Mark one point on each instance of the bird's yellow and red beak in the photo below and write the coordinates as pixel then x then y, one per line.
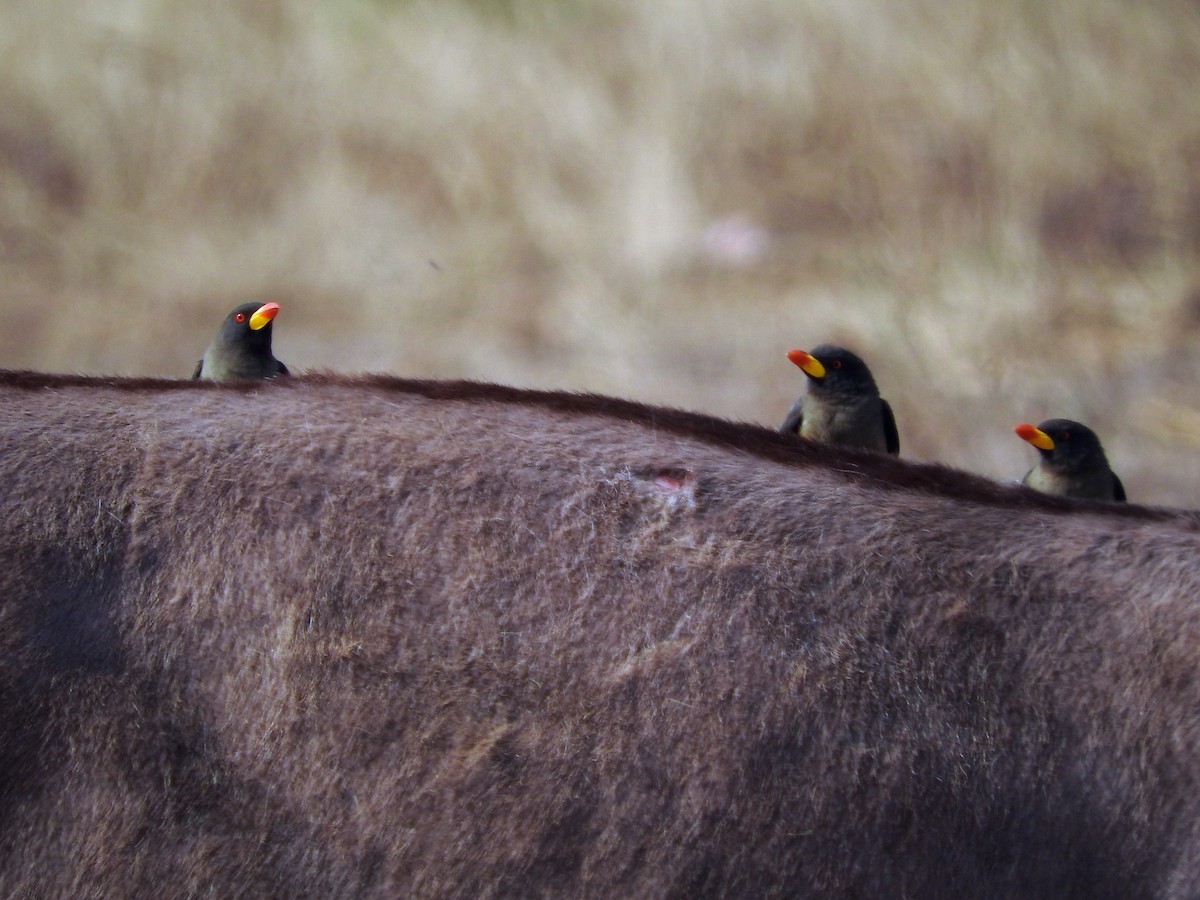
pixel 263 316
pixel 807 362
pixel 1035 436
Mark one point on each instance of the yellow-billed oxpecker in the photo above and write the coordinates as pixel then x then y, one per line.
pixel 1073 462
pixel 842 404
pixel 242 347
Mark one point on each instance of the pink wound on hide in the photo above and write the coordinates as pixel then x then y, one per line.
pixel 669 484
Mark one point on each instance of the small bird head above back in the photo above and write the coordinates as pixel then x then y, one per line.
pixel 249 325
pixel 842 404
pixel 833 370
pixel 1072 461
pixel 1065 444
pixel 242 347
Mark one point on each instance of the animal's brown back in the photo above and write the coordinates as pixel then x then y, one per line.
pixel 369 637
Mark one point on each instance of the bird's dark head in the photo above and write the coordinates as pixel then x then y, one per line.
pixel 249 326
pixel 835 369
pixel 1065 444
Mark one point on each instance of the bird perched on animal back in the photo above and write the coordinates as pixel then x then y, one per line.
pixel 242 347
pixel 1073 462
pixel 842 404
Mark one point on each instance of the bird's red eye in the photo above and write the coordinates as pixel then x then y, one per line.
pixel 836 364
pixel 1064 435
pixel 239 318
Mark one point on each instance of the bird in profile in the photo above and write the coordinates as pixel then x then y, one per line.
pixel 242 347
pixel 1072 461
pixel 842 404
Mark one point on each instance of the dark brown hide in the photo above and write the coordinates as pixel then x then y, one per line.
pixel 330 637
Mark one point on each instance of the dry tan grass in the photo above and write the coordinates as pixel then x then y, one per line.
pixel 997 202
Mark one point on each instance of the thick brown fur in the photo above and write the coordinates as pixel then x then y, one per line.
pixel 368 637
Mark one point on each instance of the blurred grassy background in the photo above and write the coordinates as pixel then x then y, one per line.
pixel 996 202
